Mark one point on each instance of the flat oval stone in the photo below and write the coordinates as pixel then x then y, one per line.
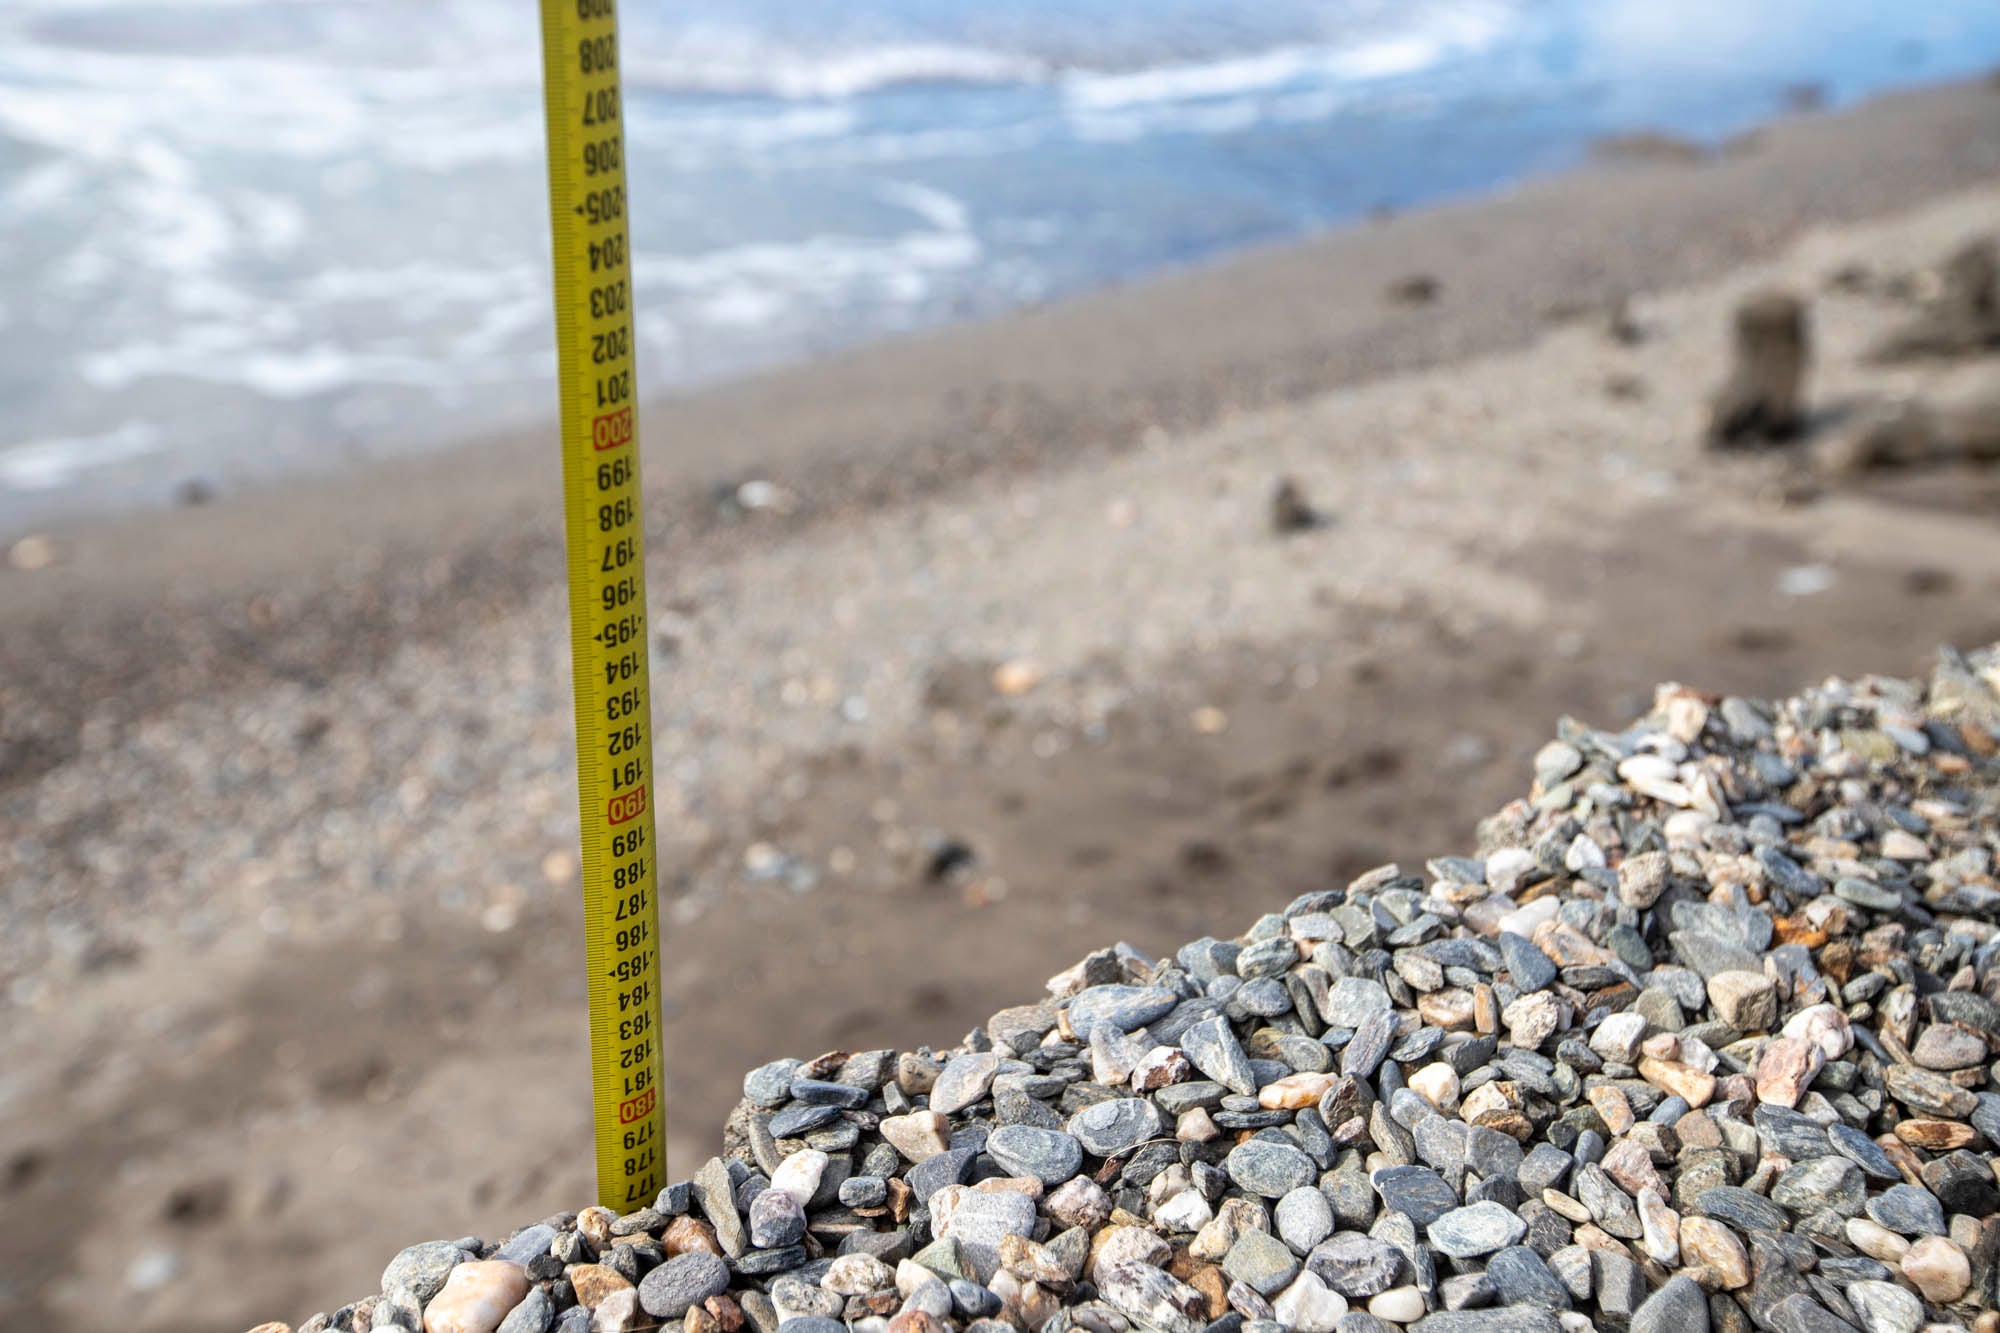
pixel 1116 1126
pixel 1272 1170
pixel 801 1118
pixel 1123 1007
pixel 420 1271
pixel 683 1281
pixel 1740 1208
pixel 1480 1228
pixel 1049 1155
pixel 1417 1192
pixel 476 1296
pixel 964 1080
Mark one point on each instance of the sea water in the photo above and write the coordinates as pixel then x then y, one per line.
pixel 246 240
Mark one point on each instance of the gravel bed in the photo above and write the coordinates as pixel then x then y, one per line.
pixel 1703 1036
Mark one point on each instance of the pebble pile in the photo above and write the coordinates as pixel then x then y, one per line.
pixel 1703 1038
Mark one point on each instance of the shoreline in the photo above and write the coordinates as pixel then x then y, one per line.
pixel 897 418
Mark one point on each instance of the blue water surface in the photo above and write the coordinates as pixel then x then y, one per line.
pixel 249 239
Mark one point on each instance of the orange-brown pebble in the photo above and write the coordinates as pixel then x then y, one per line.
pixel 1293 1092
pixel 593 1282
pixel 689 1233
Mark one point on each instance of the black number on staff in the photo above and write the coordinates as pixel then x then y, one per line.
pixel 597 55
pixel 607 300
pixel 614 515
pixel 603 155
pixel 610 346
pixel 600 107
pixel 605 205
pixel 607 253
pixel 593 9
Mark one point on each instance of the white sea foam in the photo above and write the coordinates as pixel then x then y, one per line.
pixel 47 465
pixel 726 59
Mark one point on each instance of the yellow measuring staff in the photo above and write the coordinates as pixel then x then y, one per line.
pixel 607 593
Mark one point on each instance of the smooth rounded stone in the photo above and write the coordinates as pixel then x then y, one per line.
pixel 964 1080
pixel 1267 958
pixel 1398 1305
pixel 1939 1269
pixel 1530 968
pixel 1304 1218
pixel 1710 1244
pixel 854 1275
pixel 1306 1305
pixel 800 1174
pixel 918 1136
pixel 1823 1182
pixel 1480 1228
pixel 419 1272
pixel 682 1281
pixel 476 1296
pixel 533 1315
pixel 1437 1083
pixel 1885 1307
pixel 1416 1191
pixel 1351 999
pixel 1211 1046
pixel 1876 1241
pixel 812 1324
pixel 864 1192
pixel 1110 1128
pixel 1123 1007
pixel 1272 1170
pixel 1049 1155
pixel 1908 1210
pixel 1261 1261
pixel 1680 1306
pixel 1356 1265
pixel 776 1220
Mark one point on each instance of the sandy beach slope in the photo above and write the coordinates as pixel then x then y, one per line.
pixel 289 955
